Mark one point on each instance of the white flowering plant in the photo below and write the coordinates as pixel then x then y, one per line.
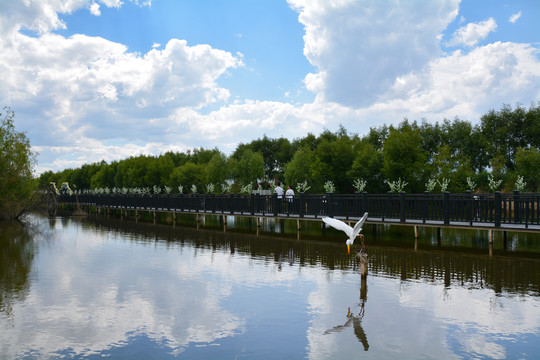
pixel 302 187
pixel 471 184
pixel 520 183
pixel 493 184
pixel 359 184
pixel 397 186
pixel 444 184
pixel 329 187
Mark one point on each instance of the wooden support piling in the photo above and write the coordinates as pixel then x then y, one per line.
pixel 363 264
pixel 490 236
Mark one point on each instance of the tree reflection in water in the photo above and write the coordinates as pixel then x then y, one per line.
pixel 17 253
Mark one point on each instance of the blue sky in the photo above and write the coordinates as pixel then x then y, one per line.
pixel 105 80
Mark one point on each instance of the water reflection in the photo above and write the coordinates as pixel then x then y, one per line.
pixel 120 289
pixel 356 320
pixel 472 268
pixel 17 253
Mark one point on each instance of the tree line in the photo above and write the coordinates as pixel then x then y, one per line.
pixel 498 153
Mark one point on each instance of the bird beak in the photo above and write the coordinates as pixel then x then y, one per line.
pixel 348 249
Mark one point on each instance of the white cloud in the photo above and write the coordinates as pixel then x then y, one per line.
pixel 471 34
pixel 360 47
pixel 88 87
pixel 85 98
pixel 515 17
pixel 94 9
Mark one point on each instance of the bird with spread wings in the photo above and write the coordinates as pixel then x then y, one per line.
pixel 350 231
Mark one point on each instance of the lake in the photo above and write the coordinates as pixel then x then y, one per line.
pixel 88 288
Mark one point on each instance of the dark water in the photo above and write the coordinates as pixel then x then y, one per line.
pixel 97 287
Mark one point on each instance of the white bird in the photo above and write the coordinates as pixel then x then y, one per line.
pixel 351 232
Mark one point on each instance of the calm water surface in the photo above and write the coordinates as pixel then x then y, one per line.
pixel 93 288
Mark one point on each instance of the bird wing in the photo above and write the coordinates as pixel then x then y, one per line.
pixel 358 226
pixel 338 224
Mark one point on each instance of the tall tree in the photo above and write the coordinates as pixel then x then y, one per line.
pixel 298 169
pixel 17 162
pixel 528 166
pixel 404 158
pixel 249 168
pixel 367 165
pixel 217 171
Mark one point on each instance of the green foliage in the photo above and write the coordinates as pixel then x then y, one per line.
pixel 217 171
pixel 16 165
pixel 367 164
pixel 298 170
pixel 528 166
pixel 452 154
pixel 404 158
pixel 249 168
pixel 187 175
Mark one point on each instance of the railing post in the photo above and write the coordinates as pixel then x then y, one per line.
pixel 426 206
pixel 388 205
pixel 364 203
pixel 402 207
pixel 301 204
pixel 469 207
pixel 517 207
pixel 330 201
pixel 275 201
pixel 497 204
pixel 252 204
pixel 446 208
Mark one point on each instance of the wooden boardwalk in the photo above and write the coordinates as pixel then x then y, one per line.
pixel 499 212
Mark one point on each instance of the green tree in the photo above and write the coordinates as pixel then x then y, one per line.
pixel 333 159
pixel 508 129
pixel 298 169
pixel 17 162
pixel 367 165
pixel 187 175
pixel 404 158
pixel 528 166
pixel 217 171
pixel 249 168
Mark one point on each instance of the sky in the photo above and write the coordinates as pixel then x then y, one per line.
pixel 93 80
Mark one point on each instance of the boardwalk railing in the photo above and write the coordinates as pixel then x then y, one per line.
pixel 521 210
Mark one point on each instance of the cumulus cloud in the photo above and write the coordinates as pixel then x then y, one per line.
pixel 94 9
pixel 86 98
pixel 515 17
pixel 471 34
pixel 89 87
pixel 360 47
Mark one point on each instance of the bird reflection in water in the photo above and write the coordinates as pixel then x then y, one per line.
pixel 356 320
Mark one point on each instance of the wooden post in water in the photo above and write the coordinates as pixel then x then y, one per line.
pixel 298 226
pixel 363 263
pixel 490 232
pixel 416 231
